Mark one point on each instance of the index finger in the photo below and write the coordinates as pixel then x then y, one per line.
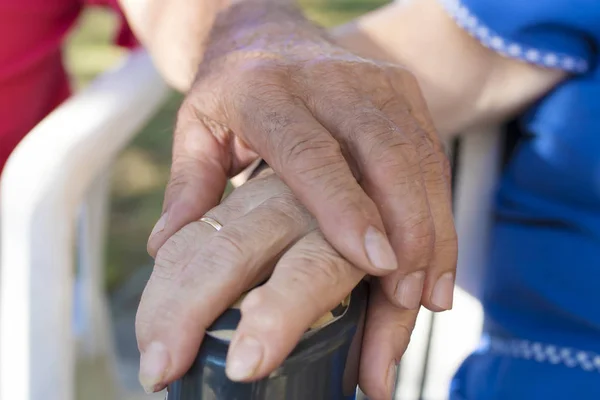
pixel 308 281
pixel 200 167
pixel 310 161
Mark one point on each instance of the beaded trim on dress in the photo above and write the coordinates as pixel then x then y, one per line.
pixel 492 40
pixel 541 353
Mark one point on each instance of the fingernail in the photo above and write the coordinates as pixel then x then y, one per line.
pixel 392 376
pixel 154 363
pixel 160 225
pixel 410 289
pixel 443 291
pixel 244 358
pixel 379 250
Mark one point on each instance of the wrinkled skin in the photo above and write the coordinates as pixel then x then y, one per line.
pixel 352 140
pixel 199 272
pixel 359 153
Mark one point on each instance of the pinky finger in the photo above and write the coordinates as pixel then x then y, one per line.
pixel 386 336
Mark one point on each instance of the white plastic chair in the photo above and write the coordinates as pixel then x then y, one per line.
pixel 57 177
pixel 59 169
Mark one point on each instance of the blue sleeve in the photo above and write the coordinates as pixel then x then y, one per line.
pixel 563 34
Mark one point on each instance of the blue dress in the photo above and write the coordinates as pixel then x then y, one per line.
pixel 541 294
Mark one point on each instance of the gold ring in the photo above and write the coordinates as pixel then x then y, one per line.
pixel 212 222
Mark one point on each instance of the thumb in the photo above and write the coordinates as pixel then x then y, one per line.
pixel 197 181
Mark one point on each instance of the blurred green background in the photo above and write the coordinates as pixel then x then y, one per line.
pixel 141 172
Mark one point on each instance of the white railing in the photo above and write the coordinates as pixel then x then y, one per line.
pixel 60 166
pixel 440 342
pixel 53 195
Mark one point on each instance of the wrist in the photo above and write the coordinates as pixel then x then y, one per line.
pixel 269 26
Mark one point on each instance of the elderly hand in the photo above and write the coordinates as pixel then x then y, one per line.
pixel 200 272
pixel 351 137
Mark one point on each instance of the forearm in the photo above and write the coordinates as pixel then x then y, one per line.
pixel 174 32
pixel 463 82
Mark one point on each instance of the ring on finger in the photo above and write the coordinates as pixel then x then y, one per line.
pixel 212 222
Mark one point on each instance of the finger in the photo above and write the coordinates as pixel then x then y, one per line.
pixel 309 160
pixel 389 165
pixel 309 281
pixel 435 169
pixel 202 162
pixel 199 272
pixel 386 337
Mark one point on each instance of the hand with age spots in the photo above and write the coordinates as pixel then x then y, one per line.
pixel 350 137
pixel 200 272
pixel 352 140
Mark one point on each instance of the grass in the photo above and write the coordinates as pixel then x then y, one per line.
pixel 141 172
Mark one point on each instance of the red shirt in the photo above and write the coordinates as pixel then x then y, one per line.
pixel 33 80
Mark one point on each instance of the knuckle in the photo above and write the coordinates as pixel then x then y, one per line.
pixel 341 71
pixel 435 166
pixel 350 202
pixel 430 162
pixel 326 67
pixel 316 160
pixel 404 331
pixel 319 263
pixel 255 104
pixel 389 148
pixel 375 125
pixel 220 258
pixel 436 177
pixel 417 240
pixel 231 242
pixel 286 203
pixel 276 120
pixel 419 229
pixel 393 325
pixel 263 81
pixel 157 309
pixel 184 171
pixel 252 194
pixel 410 130
pixel 447 249
pixel 283 194
pixel 225 249
pixel 259 308
pixel 177 179
pixel 176 253
pixel 312 146
pixel 236 204
pixel 166 265
pixel 399 166
pixel 258 94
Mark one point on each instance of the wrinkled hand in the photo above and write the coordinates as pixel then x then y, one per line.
pixel 199 272
pixel 352 139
